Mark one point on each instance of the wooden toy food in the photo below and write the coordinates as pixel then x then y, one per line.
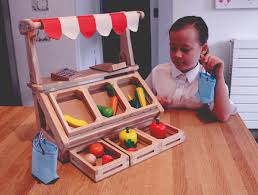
pixel 128 137
pixel 158 129
pixel 91 158
pixel 139 94
pixel 97 149
pixel 105 111
pixel 106 159
pixel 74 122
pixel 134 102
pixel 114 100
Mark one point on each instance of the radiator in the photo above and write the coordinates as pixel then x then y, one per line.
pixel 244 80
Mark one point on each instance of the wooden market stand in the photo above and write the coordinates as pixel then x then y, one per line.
pixel 80 96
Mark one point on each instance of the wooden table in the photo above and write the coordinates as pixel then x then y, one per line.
pixel 216 158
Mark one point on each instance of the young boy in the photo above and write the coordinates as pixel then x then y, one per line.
pixel 176 84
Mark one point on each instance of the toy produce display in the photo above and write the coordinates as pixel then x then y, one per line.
pixel 114 100
pixel 74 122
pixel 83 95
pixel 158 129
pixel 128 138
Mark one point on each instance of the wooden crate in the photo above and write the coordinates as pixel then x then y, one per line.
pixel 173 137
pixel 99 171
pixel 146 147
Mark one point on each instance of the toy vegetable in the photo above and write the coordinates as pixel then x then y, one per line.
pixel 96 149
pixel 133 102
pixel 105 111
pixel 128 137
pixel 114 100
pixel 74 122
pixel 139 94
pixel 158 129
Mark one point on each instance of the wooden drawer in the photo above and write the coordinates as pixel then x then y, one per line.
pixel 99 171
pixel 146 147
pixel 174 135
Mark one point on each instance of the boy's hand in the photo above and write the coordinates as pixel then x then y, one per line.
pixel 213 65
pixel 163 101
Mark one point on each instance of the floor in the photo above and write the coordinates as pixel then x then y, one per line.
pixel 255 134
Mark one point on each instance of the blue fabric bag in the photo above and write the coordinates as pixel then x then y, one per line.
pixel 206 86
pixel 44 159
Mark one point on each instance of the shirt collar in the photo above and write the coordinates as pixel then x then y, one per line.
pixel 190 75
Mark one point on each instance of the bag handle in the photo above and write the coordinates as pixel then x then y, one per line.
pixel 40 137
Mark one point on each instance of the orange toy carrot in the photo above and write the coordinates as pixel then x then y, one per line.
pixel 114 100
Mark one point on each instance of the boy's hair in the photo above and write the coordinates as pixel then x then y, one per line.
pixel 195 21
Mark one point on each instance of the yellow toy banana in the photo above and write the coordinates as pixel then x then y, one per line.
pixel 74 122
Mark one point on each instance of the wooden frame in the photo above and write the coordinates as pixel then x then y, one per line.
pixel 80 96
pixel 99 172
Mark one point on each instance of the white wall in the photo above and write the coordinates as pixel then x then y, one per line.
pixel 223 24
pixel 89 51
pixel 53 55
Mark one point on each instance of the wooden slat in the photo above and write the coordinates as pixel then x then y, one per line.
pixel 244 81
pixel 245 43
pixel 238 90
pixel 245 72
pixel 247 107
pixel 246 63
pixel 244 99
pixel 245 53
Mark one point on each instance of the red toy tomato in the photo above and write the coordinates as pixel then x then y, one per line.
pixel 106 159
pixel 158 129
pixel 97 149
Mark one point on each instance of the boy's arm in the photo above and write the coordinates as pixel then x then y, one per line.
pixel 222 108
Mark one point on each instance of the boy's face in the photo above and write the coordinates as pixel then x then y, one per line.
pixel 185 49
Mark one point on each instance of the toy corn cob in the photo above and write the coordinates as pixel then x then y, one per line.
pixel 133 102
pixel 114 100
pixel 139 94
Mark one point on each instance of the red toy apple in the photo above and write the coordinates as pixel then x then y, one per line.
pixel 106 159
pixel 158 129
pixel 97 149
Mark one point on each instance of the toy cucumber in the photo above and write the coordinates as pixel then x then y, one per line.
pixel 105 111
pixel 74 122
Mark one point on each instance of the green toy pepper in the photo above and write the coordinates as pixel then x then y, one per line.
pixel 105 111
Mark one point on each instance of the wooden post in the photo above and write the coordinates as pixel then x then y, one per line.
pixel 32 58
pixel 126 50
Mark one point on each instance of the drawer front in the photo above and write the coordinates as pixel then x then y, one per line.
pixel 245 53
pixel 249 116
pixel 251 124
pixel 253 108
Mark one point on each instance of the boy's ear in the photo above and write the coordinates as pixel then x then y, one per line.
pixel 205 49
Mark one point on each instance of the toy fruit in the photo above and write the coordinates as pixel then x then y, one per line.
pixel 139 94
pixel 97 149
pixel 158 129
pixel 105 111
pixel 134 102
pixel 114 100
pixel 74 122
pixel 131 149
pixel 91 158
pixel 128 137
pixel 106 159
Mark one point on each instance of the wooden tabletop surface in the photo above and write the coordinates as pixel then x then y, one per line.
pixel 216 158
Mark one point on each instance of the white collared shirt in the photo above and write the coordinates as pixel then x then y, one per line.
pixel 180 88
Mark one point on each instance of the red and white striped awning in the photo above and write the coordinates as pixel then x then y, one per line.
pixel 89 24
